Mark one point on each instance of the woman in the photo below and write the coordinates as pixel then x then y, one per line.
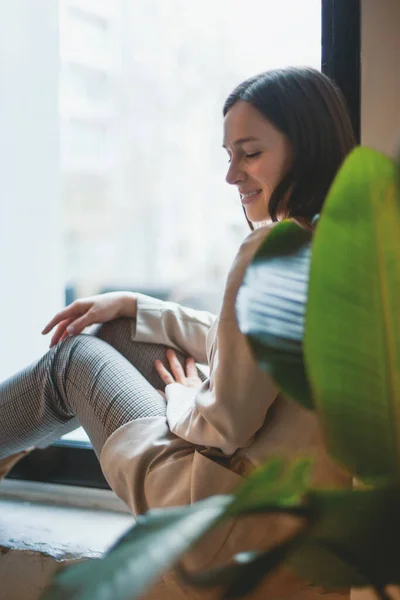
pixel 286 133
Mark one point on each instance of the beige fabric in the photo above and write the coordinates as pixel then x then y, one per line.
pixel 213 437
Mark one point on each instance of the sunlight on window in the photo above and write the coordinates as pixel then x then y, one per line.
pixel 142 86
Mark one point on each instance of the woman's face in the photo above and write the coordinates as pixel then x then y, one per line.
pixel 259 157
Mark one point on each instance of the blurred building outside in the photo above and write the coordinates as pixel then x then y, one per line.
pixel 142 85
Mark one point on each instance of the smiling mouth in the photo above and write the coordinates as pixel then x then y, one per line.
pixel 247 198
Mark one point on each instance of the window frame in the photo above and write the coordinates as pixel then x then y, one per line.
pixel 341 52
pixel 75 463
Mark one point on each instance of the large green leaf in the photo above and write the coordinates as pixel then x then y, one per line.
pixel 352 338
pixel 271 307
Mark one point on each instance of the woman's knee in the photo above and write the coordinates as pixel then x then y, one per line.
pixel 117 332
pixel 79 348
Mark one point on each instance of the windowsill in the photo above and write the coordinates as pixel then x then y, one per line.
pixel 61 495
pixel 62 528
pixel 43 526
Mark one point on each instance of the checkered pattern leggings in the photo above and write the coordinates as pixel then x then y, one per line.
pixel 99 381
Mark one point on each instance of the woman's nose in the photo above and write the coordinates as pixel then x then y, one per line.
pixel 234 175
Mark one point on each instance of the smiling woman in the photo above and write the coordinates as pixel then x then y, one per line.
pixel 204 434
pixel 185 255
pixel 152 417
pixel 286 155
pixel 259 155
pixel 162 243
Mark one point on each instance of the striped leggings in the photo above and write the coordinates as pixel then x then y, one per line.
pixel 99 381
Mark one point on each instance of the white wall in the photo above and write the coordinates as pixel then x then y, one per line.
pixel 380 90
pixel 31 271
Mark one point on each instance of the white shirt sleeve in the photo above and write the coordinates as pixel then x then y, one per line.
pixel 173 325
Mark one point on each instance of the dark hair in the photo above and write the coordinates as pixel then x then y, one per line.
pixel 309 108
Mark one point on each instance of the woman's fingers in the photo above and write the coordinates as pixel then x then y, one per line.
pixel 78 325
pixel 59 317
pixel 60 332
pixel 176 367
pixel 71 326
pixel 190 378
pixel 70 312
pixel 163 372
pixel 191 369
pixel 64 335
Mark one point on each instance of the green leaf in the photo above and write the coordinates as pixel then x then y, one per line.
pixel 271 307
pixel 276 484
pixel 354 539
pixel 352 338
pixel 151 547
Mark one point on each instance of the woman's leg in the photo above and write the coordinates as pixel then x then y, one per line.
pixel 81 381
pixel 118 333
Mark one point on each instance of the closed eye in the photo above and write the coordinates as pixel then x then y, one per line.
pixel 252 155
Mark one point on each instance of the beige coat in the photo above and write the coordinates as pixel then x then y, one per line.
pixel 214 436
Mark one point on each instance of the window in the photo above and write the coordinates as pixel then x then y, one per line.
pixel 87 31
pixel 84 146
pixel 141 95
pixel 82 85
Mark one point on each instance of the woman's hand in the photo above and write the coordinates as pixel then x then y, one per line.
pixel 188 379
pixel 87 311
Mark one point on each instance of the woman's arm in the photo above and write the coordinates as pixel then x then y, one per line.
pixel 171 324
pixel 232 405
